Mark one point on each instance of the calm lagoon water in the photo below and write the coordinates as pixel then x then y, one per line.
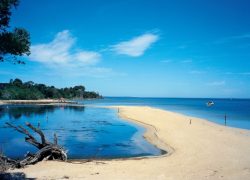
pixel 84 132
pixel 236 110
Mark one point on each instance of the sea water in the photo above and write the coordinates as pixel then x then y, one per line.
pixel 227 112
pixel 84 132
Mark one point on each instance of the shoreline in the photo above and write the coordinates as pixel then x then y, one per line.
pixel 150 135
pixel 201 150
pixel 37 102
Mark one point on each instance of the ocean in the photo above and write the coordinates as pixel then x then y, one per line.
pixel 237 111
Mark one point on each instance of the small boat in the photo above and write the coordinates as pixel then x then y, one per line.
pixel 210 103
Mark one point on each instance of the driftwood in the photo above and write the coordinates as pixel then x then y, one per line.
pixel 47 150
pixel 6 163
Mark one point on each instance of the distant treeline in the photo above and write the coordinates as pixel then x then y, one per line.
pixel 16 89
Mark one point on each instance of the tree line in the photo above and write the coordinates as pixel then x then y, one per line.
pixel 16 89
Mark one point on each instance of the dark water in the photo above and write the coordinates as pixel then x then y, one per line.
pixel 237 111
pixel 84 132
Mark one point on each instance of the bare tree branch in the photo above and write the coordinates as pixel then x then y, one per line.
pixel 38 131
pixel 55 139
pixel 30 139
pixel 47 150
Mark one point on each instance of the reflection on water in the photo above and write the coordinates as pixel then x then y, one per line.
pixel 84 132
pixel 17 111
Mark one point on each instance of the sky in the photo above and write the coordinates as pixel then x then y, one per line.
pixel 138 48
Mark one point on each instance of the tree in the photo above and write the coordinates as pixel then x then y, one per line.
pixel 29 84
pixel 79 90
pixel 12 43
pixel 17 82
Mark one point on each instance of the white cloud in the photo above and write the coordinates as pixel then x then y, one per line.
pixel 136 46
pixel 64 59
pixel 216 83
pixel 60 51
pixel 87 57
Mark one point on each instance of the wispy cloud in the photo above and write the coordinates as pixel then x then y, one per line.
pixel 197 72
pixel 74 71
pixel 216 83
pixel 60 51
pixel 233 38
pixel 245 73
pixel 182 61
pixel 136 46
pixel 239 73
pixel 2 72
pixel 229 92
pixel 182 47
pixel 167 61
pixel 187 61
pixel 66 59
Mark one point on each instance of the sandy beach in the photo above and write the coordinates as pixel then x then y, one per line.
pixel 200 150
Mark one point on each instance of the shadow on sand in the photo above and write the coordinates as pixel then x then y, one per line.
pixel 14 176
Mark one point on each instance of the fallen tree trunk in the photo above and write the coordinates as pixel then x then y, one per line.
pixel 50 152
pixel 47 150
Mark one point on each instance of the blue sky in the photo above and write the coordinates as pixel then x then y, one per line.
pixel 143 48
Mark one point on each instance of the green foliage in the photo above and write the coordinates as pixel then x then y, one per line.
pixel 16 89
pixel 5 12
pixel 12 43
